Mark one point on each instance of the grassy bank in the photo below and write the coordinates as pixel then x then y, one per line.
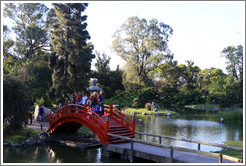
pixel 18 136
pixel 144 110
pixel 231 116
pixel 233 153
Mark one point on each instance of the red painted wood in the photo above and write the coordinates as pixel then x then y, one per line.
pixel 117 122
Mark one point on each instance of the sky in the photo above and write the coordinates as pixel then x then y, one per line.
pixel 201 29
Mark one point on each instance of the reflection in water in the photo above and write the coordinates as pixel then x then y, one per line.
pixel 55 153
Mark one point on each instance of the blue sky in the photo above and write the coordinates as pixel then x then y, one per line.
pixel 202 29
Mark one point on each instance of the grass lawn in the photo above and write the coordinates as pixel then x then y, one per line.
pixel 230 152
pixel 84 130
pixel 18 136
pixel 144 110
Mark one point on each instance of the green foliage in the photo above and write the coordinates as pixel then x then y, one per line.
pixel 136 103
pixel 233 153
pixel 231 116
pixel 109 80
pixel 39 101
pixel 28 26
pixel 147 95
pixel 72 54
pixel 186 96
pixel 142 45
pixel 18 136
pixel 16 102
pixel 234 56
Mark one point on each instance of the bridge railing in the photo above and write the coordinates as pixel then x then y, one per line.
pixel 122 118
pixel 220 156
pixel 75 110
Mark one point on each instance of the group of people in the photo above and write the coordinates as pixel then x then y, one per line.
pixel 96 101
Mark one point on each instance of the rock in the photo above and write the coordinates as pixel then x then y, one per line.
pixel 44 133
pixel 38 142
pixel 15 144
pixel 148 106
pixel 144 113
pixel 153 105
pixel 159 114
pixel 169 114
pixel 31 141
pixel 43 138
pixel 140 121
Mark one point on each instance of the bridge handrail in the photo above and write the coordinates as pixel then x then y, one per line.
pixel 192 141
pixel 176 148
pixel 124 119
pixel 70 107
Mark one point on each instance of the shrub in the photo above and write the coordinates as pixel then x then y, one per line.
pixel 147 95
pixel 136 103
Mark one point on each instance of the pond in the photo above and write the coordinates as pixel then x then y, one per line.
pixel 194 125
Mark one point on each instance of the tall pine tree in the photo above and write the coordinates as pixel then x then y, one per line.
pixel 72 54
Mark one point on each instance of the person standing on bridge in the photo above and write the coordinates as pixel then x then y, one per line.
pixel 72 98
pixel 101 103
pixel 94 103
pixel 78 97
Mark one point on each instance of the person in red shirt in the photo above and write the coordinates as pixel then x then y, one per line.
pixel 78 97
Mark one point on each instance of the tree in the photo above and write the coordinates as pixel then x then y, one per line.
pixel 103 69
pixel 170 73
pixel 205 78
pixel 7 42
pixel 72 55
pixel 16 101
pixel 191 75
pixel 29 27
pixel 234 56
pixel 109 80
pixel 143 46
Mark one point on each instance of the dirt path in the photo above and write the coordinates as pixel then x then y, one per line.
pixel 36 126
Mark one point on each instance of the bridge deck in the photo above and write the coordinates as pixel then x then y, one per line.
pixel 157 154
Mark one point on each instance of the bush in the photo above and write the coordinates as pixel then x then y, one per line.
pixel 148 106
pixel 16 102
pixel 136 103
pixel 147 95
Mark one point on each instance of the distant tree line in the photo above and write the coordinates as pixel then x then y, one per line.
pixel 47 56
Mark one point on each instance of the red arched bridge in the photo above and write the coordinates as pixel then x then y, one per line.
pixel 71 117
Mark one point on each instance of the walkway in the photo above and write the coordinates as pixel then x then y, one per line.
pixel 36 126
pixel 162 155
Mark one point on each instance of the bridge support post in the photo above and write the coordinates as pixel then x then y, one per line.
pixel 242 156
pixel 220 158
pixel 134 123
pixel 199 146
pixel 171 154
pixel 132 152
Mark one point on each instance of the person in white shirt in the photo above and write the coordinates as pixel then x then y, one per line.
pixel 84 99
